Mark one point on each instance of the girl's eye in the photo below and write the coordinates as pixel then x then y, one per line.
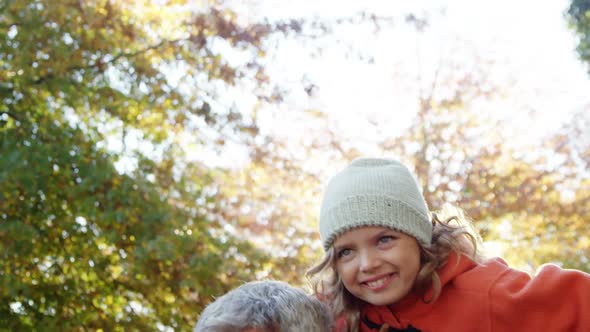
pixel 344 252
pixel 386 239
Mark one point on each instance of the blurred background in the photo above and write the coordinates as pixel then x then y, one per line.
pixel 155 154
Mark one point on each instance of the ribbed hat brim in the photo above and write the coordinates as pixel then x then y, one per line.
pixel 373 210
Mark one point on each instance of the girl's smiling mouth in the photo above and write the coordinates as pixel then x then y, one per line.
pixel 378 283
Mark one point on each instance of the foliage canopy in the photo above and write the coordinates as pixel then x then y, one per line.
pixel 85 246
pixel 578 15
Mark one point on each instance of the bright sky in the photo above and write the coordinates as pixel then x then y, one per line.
pixel 528 42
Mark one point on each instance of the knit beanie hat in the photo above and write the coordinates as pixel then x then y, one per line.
pixel 374 192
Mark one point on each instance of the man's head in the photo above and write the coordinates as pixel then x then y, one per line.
pixel 265 306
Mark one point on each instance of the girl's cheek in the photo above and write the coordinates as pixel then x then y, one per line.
pixel 344 264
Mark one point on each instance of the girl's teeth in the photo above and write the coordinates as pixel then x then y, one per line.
pixel 377 283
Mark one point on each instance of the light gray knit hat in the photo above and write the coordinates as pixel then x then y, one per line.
pixel 374 192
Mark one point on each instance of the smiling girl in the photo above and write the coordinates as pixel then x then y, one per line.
pixel 391 265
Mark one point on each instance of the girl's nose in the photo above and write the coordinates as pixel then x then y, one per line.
pixel 369 261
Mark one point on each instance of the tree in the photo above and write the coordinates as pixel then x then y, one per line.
pixel 86 247
pixel 84 244
pixel 578 16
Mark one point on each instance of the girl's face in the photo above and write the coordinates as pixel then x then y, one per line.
pixel 376 264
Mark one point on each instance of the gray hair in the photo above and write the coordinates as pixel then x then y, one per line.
pixel 272 305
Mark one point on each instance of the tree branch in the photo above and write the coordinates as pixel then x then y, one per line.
pixel 116 58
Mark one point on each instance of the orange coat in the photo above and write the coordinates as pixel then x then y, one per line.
pixel 491 297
